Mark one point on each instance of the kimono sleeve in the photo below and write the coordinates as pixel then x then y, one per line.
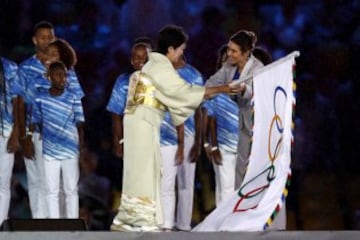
pixel 180 97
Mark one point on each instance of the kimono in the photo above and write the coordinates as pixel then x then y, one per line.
pixel 155 89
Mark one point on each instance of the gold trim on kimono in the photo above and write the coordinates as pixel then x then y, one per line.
pixel 142 92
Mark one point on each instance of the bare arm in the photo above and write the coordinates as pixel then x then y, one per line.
pixel 205 133
pixel 215 152
pixel 28 144
pixel 118 135
pixel 13 143
pixel 179 156
pixel 80 129
pixel 20 115
pixel 82 148
pixel 226 88
pixel 196 148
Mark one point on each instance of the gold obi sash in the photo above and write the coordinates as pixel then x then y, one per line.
pixel 142 92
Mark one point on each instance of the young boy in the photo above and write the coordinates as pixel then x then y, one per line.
pixel 59 113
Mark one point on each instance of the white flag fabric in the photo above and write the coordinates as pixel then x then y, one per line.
pixel 255 204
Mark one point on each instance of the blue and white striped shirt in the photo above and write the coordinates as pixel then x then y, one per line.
pixel 11 86
pixel 29 69
pixel 31 74
pixel 58 116
pixel 117 102
pixel 168 134
pixel 226 112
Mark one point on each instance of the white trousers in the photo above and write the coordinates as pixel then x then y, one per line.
pixel 167 190
pixel 35 180
pixel 225 175
pixel 67 171
pixel 6 167
pixel 185 176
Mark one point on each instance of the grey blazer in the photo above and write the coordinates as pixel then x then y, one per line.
pixel 225 75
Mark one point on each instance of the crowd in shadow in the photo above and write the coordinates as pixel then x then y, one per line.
pixel 327 34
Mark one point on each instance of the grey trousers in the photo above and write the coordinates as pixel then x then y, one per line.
pixel 243 152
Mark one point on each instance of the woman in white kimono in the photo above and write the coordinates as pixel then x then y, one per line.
pixel 155 89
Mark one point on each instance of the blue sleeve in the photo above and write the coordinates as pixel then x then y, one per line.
pixel 78 111
pixel 11 74
pixel 198 79
pixel 36 116
pixel 74 84
pixel 21 83
pixel 117 102
pixel 209 106
pixel 15 87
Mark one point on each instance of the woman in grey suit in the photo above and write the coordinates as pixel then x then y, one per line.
pixel 240 64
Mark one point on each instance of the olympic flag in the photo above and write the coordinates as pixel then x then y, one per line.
pixel 256 203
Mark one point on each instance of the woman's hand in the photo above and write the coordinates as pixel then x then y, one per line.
pixel 229 88
pixel 236 88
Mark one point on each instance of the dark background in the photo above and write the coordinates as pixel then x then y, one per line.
pixel 324 192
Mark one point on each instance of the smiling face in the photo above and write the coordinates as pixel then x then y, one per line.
pixel 138 56
pixel 236 56
pixel 175 53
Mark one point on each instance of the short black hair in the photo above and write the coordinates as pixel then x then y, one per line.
pixel 221 52
pixel 171 36
pixel 56 65
pixel 41 25
pixel 263 55
pixel 145 40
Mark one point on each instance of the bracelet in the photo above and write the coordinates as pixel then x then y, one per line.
pixel 214 148
pixel 121 141
pixel 206 144
pixel 27 135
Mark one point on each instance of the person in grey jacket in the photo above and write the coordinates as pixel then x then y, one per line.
pixel 240 64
